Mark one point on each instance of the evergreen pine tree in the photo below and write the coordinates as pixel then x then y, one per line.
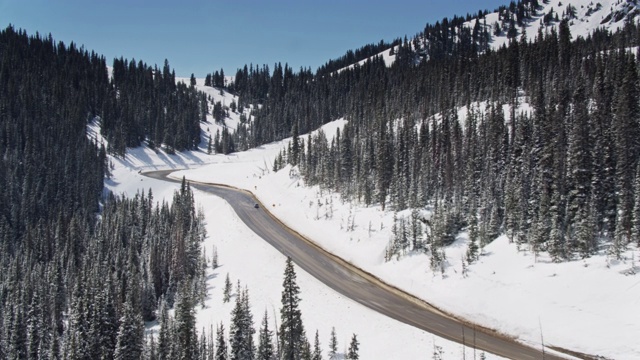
pixel 150 350
pixel 472 249
pixel 17 336
pixel 306 350
pixel 203 350
pixel 265 341
pixel 541 227
pixel 579 160
pixel 241 330
pixel 556 247
pixel 164 336
pixel 291 334
pixel 185 337
pixel 317 353
pixel 104 326
pixel 352 354
pixel 248 325
pixel 130 340
pixel 211 341
pixel 346 154
pixel 214 258
pixel 295 145
pixel 585 230
pixel 333 344
pixel 619 242
pixel 227 289
pixel 34 327
pixel 416 230
pixel 626 129
pixel 221 345
pixel 383 164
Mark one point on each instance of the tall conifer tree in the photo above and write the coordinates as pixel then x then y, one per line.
pixel 291 334
pixel 265 341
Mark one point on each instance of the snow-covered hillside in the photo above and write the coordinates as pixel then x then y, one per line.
pixel 216 95
pixel 258 266
pixel 583 16
pixel 586 305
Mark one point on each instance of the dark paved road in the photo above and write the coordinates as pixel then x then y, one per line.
pixel 358 285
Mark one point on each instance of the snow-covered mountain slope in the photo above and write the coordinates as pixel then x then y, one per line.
pixel 388 56
pixel 214 95
pixel 583 16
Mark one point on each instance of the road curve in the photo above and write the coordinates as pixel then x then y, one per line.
pixel 359 285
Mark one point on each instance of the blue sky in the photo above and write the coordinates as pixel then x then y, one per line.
pixel 206 35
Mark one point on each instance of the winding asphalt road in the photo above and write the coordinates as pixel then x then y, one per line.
pixel 360 286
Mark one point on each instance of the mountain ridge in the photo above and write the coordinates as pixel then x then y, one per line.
pixel 492 30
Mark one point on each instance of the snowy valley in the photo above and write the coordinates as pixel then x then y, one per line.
pixel 509 289
pixel 487 167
